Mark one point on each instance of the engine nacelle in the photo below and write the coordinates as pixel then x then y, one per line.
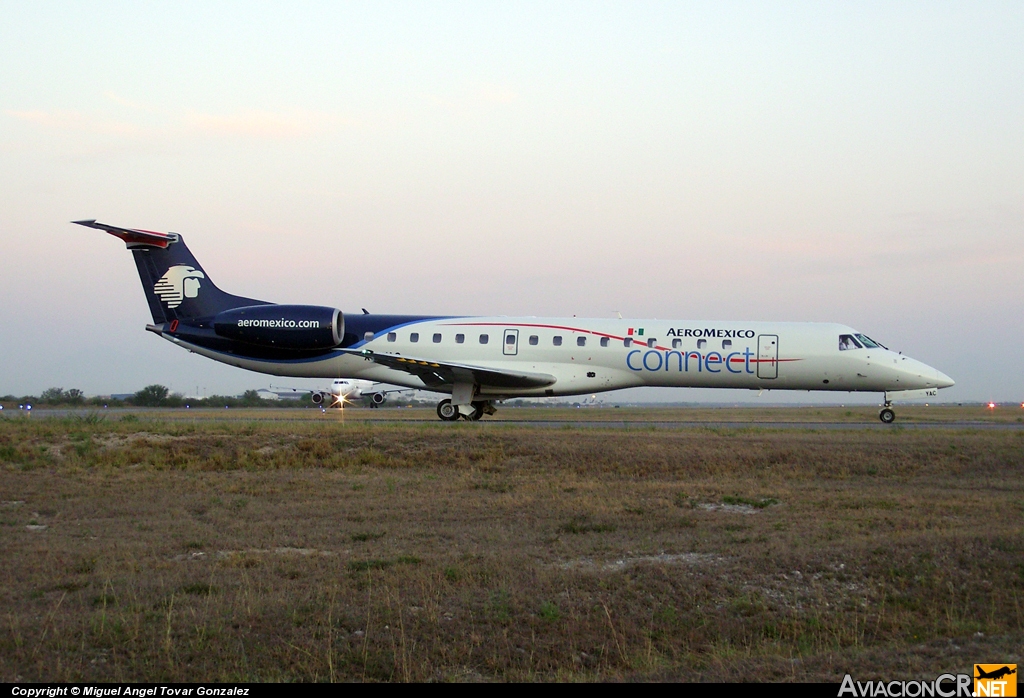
pixel 283 326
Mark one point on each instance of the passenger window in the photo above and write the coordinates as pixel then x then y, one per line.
pixel 557 341
pixel 676 343
pixel 847 342
pixel 726 343
pixel 368 336
pixel 627 342
pixel 604 341
pixel 701 343
pixel 437 338
pixel 392 336
pixel 414 337
pixel 484 339
pixel 652 342
pixel 460 338
pixel 533 340
pixel 581 341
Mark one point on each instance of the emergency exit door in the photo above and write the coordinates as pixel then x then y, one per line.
pixel 768 356
pixel 510 345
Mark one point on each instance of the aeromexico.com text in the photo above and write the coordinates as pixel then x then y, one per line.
pixel 280 324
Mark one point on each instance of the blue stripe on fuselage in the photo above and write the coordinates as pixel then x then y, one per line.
pixel 356 326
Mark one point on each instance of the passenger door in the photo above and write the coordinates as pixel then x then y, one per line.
pixel 768 356
pixel 510 343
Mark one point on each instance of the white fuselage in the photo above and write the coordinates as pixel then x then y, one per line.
pixel 594 355
pixel 350 389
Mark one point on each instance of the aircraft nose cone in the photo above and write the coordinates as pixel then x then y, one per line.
pixel 944 381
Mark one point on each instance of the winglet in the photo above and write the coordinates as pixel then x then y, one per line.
pixel 132 236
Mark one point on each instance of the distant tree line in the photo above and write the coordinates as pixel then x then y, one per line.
pixel 151 396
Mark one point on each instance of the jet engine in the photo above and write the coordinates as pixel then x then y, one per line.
pixel 283 326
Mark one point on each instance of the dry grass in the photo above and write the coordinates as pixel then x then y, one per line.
pixel 168 549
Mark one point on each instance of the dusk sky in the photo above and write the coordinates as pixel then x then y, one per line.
pixel 859 163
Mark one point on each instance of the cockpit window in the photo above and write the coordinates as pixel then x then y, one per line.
pixel 847 342
pixel 868 342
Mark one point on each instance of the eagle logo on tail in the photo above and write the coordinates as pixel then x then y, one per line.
pixel 180 282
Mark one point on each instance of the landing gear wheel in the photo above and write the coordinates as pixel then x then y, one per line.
pixel 478 411
pixel 887 415
pixel 447 411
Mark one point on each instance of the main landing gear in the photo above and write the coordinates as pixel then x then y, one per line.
pixel 450 413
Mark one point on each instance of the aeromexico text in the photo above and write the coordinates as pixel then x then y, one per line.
pixel 711 334
pixel 280 324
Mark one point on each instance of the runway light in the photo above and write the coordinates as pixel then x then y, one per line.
pixel 991 405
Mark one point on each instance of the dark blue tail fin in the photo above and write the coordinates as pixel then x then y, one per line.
pixel 176 286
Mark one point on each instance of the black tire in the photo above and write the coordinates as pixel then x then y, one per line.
pixel 478 412
pixel 887 416
pixel 447 411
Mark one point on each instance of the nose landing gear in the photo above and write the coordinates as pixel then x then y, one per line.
pixel 886 414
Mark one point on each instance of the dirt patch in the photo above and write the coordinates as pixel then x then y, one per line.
pixel 222 554
pixel 745 509
pixel 621 564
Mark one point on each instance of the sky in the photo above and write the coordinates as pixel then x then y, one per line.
pixel 860 163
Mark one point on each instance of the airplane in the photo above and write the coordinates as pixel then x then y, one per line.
pixel 995 673
pixel 345 391
pixel 482 360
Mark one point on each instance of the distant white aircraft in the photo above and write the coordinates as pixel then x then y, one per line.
pixel 343 391
pixel 480 360
pixel 346 390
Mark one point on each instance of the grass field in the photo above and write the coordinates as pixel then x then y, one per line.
pixel 182 547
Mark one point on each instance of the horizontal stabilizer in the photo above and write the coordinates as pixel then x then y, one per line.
pixel 132 236
pixel 443 373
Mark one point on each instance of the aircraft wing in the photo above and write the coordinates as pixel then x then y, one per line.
pixel 444 373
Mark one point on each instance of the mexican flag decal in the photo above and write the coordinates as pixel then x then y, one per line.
pixel 639 332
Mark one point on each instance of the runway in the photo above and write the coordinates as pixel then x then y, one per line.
pixel 804 426
pixel 535 418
